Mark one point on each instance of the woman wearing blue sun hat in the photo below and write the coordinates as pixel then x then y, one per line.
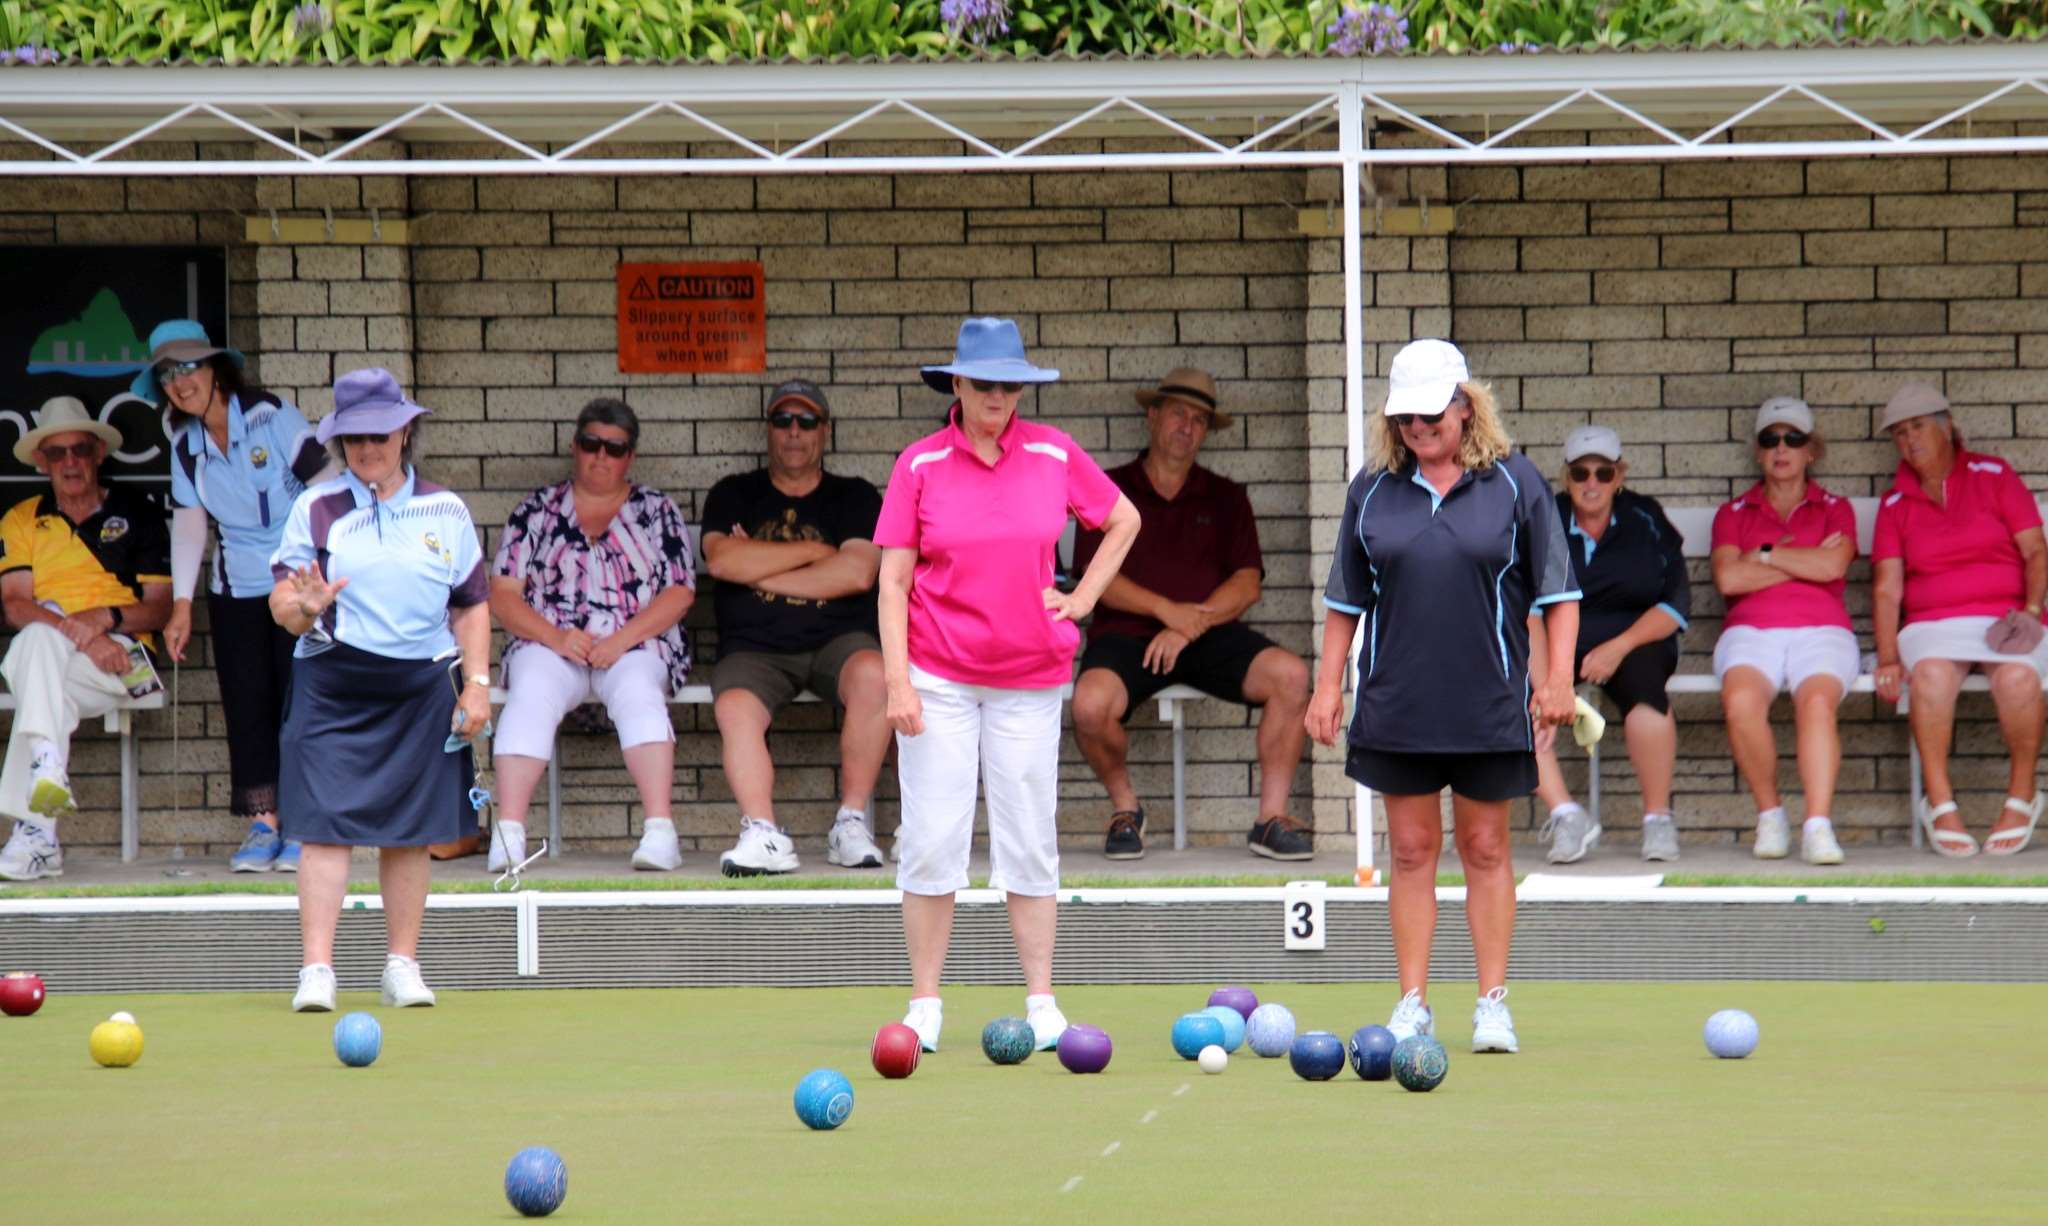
pixel 240 457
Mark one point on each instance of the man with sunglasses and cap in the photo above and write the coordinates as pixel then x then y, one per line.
pixel 793 549
pixel 1170 617
pixel 85 575
pixel 591 581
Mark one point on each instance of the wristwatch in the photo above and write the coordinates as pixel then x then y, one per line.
pixel 114 619
pixel 1764 554
pixel 479 679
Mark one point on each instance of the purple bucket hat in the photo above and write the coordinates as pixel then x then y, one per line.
pixel 368 402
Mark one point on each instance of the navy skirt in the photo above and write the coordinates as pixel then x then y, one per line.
pixel 364 761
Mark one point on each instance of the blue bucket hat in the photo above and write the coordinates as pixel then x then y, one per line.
pixel 991 350
pixel 367 402
pixel 177 340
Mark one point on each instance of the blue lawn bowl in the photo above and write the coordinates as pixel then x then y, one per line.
pixel 1731 1034
pixel 1317 1055
pixel 1420 1063
pixel 536 1181
pixel 1270 1030
pixel 1194 1031
pixel 357 1040
pixel 1372 1053
pixel 1233 1025
pixel 824 1098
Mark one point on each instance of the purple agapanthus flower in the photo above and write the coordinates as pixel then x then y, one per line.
pixel 1373 30
pixel 312 19
pixel 976 21
pixel 30 54
pixel 1518 48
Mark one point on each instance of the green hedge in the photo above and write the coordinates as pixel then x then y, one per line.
pixel 556 31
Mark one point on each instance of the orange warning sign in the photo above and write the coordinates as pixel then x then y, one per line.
pixel 692 319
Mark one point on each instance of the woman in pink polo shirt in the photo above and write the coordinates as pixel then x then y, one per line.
pixel 1780 553
pixel 976 645
pixel 1959 549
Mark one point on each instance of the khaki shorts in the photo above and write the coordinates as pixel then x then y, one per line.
pixel 777 677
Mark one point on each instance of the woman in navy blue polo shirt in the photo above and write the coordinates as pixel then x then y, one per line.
pixel 240 456
pixel 1449 540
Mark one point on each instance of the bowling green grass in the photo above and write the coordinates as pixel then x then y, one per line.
pixel 1864 1103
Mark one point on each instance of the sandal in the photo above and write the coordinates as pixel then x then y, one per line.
pixel 2013 840
pixel 1955 844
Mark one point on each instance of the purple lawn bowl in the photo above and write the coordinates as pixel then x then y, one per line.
pixel 1084 1049
pixel 1241 999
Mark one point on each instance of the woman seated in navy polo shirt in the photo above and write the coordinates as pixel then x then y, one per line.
pixel 1449 540
pixel 1630 563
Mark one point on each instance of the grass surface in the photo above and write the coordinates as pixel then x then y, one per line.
pixel 1865 1103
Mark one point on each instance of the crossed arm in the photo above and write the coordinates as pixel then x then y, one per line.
pixel 1738 573
pixel 804 570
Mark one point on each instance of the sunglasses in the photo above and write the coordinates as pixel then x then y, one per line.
pixel 1404 421
pixel 55 453
pixel 591 444
pixel 1583 473
pixel 365 440
pixel 1769 440
pixel 170 372
pixel 983 385
pixel 782 419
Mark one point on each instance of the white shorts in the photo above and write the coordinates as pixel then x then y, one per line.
pixel 1007 740
pixel 1788 655
pixel 542 687
pixel 1962 639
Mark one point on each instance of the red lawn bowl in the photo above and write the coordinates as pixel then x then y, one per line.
pixel 895 1051
pixel 20 994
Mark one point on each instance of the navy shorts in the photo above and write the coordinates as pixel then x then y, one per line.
pixel 1509 775
pixel 1215 664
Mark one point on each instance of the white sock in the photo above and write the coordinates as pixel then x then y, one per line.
pixel 932 1003
pixel 1659 813
pixel 1034 1003
pixel 1777 811
pixel 1567 807
pixel 1816 825
pixel 851 815
pixel 648 823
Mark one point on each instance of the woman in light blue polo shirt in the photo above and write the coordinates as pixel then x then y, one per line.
pixel 240 456
pixel 381 576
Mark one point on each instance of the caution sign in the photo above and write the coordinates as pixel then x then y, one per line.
pixel 692 319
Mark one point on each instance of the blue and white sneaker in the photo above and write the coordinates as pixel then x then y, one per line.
pixel 287 857
pixel 32 852
pixel 1411 1017
pixel 258 852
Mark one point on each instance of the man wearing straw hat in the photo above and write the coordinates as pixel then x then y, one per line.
pixel 85 573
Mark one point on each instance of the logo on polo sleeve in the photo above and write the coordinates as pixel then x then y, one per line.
pixel 113 530
pixel 259 456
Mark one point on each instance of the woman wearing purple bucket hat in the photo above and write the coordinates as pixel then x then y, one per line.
pixel 240 456
pixel 976 643
pixel 381 576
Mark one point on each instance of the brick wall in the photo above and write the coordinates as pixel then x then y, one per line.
pixel 1666 301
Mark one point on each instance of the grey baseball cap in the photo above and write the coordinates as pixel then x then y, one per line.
pixel 800 389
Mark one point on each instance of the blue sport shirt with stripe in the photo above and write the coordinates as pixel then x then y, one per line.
pixel 1443 587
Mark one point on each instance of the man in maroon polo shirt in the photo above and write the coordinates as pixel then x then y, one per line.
pixel 1170 618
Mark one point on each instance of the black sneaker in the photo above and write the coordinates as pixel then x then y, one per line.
pixel 1126 838
pixel 1282 838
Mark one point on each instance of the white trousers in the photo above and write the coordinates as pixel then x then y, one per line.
pixel 542 687
pixel 1008 740
pixel 55 685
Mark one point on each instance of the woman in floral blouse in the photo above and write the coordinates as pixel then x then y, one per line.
pixel 592 578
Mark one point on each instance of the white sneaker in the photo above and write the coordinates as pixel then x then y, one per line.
pixel 1660 837
pixel 1411 1017
pixel 658 851
pixel 1493 1027
pixel 851 846
pixel 925 1017
pixel 403 987
pixel 762 848
pixel 316 990
pixel 1817 844
pixel 508 846
pixel 1047 1025
pixel 1773 835
pixel 1572 833
pixel 31 853
pixel 49 787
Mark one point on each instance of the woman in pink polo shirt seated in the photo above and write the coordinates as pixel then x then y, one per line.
pixel 1959 548
pixel 1780 553
pixel 976 644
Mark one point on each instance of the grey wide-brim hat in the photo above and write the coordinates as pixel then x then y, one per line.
pixel 368 402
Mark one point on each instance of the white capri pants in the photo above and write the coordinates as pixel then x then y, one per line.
pixel 542 687
pixel 1789 656
pixel 1008 740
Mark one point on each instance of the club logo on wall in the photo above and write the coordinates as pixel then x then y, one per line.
pixel 82 333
